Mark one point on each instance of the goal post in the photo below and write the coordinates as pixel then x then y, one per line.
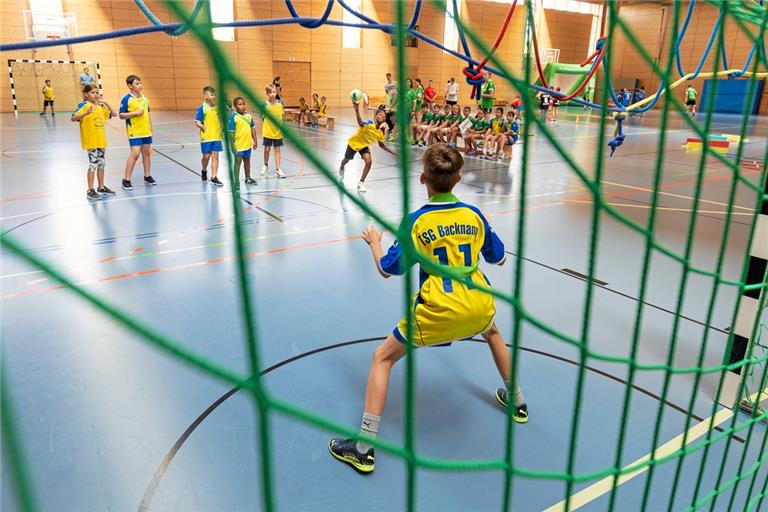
pixel 27 77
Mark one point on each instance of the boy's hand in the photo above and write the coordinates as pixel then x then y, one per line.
pixel 254 144
pixel 372 235
pixel 202 127
pixel 356 105
pixel 138 112
pixel 90 110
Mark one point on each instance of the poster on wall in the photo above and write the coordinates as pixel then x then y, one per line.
pixel 410 41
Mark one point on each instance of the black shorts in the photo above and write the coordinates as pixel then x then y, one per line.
pixel 390 120
pixel 689 102
pixel 47 102
pixel 451 103
pixel 350 153
pixel 271 142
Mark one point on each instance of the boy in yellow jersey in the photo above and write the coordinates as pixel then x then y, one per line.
pixel 92 115
pixel 271 135
pixel 370 131
pixel 48 98
pixel 207 121
pixel 314 110
pixel 134 109
pixel 242 131
pixel 454 234
pixel 322 111
pixel 494 135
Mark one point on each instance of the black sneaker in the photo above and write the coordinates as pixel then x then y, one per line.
pixel 204 175
pixel 106 190
pixel 149 180
pixel 250 181
pixel 93 195
pixel 127 185
pixel 520 415
pixel 215 181
pixel 345 450
pixel 53 113
pixel 42 113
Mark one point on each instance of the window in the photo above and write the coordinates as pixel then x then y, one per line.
pixel 223 11
pixel 451 31
pixel 572 6
pixel 45 6
pixel 350 36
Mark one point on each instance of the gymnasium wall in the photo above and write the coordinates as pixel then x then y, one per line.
pixel 647 22
pixel 175 69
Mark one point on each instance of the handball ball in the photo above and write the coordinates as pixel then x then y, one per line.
pixel 356 95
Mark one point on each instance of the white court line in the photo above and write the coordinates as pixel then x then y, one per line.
pixel 605 485
pixel 648 207
pixel 78 150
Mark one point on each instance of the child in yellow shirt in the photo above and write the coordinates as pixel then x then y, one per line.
pixel 48 98
pixel 92 115
pixel 272 136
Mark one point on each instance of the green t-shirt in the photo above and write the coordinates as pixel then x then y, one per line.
pixel 690 93
pixel 428 117
pixel 419 97
pixel 479 124
pixel 487 88
pixel 440 118
pixel 410 96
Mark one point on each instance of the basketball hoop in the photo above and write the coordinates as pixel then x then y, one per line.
pixel 41 26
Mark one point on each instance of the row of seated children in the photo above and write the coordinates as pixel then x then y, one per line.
pixel 494 132
pixel 310 114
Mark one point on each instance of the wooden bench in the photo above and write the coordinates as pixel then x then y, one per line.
pixel 292 114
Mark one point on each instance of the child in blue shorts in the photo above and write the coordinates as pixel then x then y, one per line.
pixel 207 121
pixel 455 234
pixel 243 137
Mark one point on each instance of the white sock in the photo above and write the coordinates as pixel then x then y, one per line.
pixel 519 398
pixel 369 426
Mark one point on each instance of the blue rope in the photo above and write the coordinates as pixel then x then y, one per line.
pixel 310 24
pixel 175 32
pixel 127 32
pixel 680 37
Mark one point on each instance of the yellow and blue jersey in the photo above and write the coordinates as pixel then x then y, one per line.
pixel 368 134
pixel 497 125
pixel 455 234
pixel 241 125
pixel 323 110
pixel 48 93
pixel 93 134
pixel 269 130
pixel 209 116
pixel 139 126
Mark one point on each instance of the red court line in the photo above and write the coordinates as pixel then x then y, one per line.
pixel 172 268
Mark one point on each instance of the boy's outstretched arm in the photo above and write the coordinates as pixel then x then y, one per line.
pixel 372 237
pixel 357 113
pixel 388 149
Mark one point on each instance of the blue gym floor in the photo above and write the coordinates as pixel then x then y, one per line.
pixel 99 409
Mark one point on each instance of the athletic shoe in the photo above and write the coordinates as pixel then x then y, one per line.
pixel 520 415
pixel 127 185
pixel 341 173
pixel 345 450
pixel 361 187
pixel 149 180
pixel 42 113
pixel 264 170
pixel 279 173
pixel 391 138
pixel 471 153
pixel 204 175
pixel 106 191
pixel 250 181
pixel 216 182
pixel 92 195
pixel 53 113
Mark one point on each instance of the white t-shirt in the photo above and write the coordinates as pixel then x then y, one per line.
pixel 452 92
